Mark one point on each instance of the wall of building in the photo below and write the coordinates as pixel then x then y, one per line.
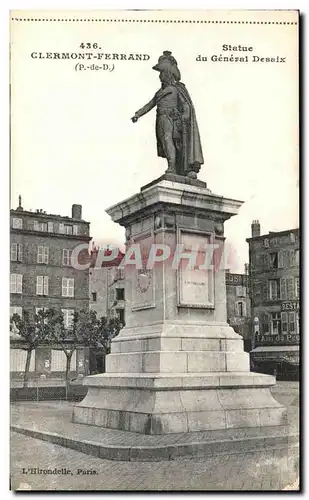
pixel 29 231
pixel 238 306
pixel 274 284
pixel 107 283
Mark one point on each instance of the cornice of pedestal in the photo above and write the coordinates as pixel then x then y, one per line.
pixel 174 194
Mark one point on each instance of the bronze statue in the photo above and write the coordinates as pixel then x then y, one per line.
pixel 178 138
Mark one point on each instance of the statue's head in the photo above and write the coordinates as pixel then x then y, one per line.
pixel 168 63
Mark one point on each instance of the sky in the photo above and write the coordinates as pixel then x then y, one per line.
pixel 73 140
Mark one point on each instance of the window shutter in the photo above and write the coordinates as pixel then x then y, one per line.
pixel 290 281
pixel 112 296
pixel 244 308
pixel 13 280
pixel 284 322
pixel 14 251
pixel 39 285
pixel 46 254
pixel 297 288
pixel 265 291
pixel 61 227
pixel 297 322
pixel 40 255
pixel 292 258
pixel 292 322
pixel 280 259
pixel 283 289
pixel 20 253
pixel 236 309
pixel 19 283
pixel 46 280
pixel 286 258
pixel 50 226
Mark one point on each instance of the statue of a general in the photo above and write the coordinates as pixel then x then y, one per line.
pixel 178 138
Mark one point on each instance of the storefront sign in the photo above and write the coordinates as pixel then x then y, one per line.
pixel 290 306
pixel 236 279
pixel 286 339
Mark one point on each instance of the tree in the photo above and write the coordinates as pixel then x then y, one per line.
pixel 33 332
pixel 96 333
pixel 64 337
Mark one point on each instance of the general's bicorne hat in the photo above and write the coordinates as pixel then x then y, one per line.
pixel 168 62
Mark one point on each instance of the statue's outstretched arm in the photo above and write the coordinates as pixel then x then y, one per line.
pixel 148 107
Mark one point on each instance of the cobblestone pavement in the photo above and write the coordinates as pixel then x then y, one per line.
pixel 251 471
pixel 267 470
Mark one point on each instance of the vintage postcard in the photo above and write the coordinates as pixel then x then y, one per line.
pixel 154 250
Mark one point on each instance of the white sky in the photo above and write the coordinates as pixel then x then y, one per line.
pixel 73 141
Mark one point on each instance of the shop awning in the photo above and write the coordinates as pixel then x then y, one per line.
pixel 280 354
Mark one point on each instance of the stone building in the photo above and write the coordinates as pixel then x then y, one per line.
pixel 238 306
pixel 275 293
pixel 42 277
pixel 107 287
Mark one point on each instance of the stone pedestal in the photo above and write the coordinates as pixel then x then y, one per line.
pixel 177 366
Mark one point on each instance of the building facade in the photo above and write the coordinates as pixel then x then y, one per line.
pixel 275 295
pixel 42 277
pixel 107 287
pixel 238 306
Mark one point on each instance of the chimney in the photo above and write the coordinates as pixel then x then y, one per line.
pixel 19 203
pixel 76 212
pixel 255 229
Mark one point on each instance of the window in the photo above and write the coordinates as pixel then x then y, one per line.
pixel 275 325
pixel 66 257
pixel 42 255
pixel 38 309
pixel 274 289
pixel 68 316
pixel 296 288
pixel 240 291
pixel 61 227
pixel 17 223
pixel 120 314
pixel 68 229
pixel 240 309
pixel 42 285
pixel 284 259
pixel 16 252
pixel 266 242
pixel 94 296
pixel 50 226
pixel 296 257
pixel 16 310
pixel 40 226
pixel 119 274
pixel 273 260
pixel 16 283
pixel 68 287
pixel 119 293
pixel 75 229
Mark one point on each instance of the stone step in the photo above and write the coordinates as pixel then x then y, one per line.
pixel 194 444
